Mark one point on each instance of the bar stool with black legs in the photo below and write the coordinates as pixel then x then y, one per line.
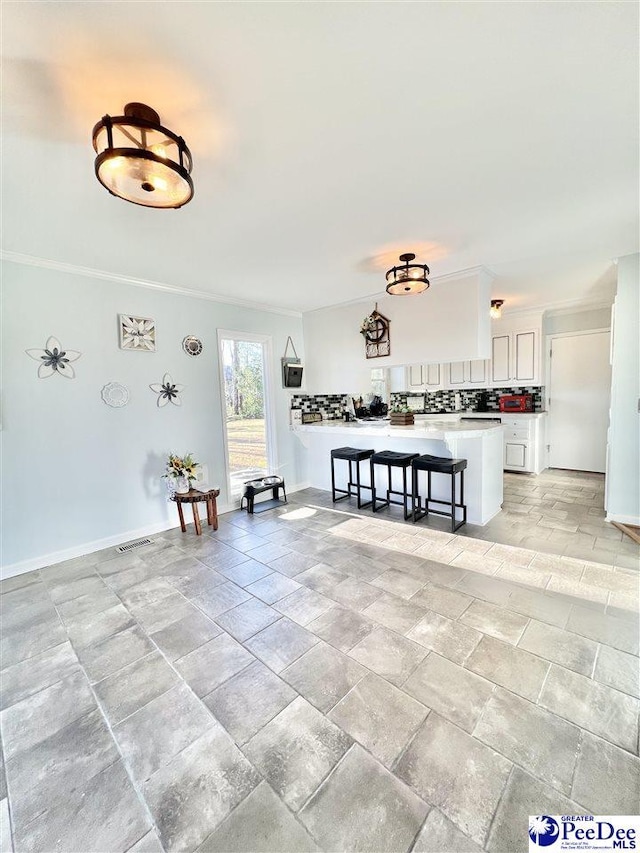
pixel 438 465
pixel 350 455
pixel 391 459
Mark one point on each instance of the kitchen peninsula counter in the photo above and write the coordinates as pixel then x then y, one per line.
pixel 481 444
pixel 435 429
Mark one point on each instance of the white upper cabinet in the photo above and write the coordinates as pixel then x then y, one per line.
pixel 479 373
pixel 423 377
pixel 433 376
pixel 415 377
pixel 524 356
pixel 468 374
pixel 500 358
pixel 457 373
pixel 515 354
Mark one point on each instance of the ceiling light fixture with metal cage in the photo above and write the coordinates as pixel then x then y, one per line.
pixel 141 161
pixel 409 279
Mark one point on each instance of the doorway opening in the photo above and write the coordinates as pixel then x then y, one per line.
pixel 247 410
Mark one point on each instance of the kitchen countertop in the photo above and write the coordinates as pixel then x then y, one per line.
pixel 522 415
pixel 452 416
pixel 427 429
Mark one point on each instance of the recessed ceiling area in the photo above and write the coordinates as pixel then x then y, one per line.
pixel 328 136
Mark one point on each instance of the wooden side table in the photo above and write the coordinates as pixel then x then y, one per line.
pixel 194 497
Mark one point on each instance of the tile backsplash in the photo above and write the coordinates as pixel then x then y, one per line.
pixel 444 401
pixel 330 406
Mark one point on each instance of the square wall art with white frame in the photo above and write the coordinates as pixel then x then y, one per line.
pixel 137 333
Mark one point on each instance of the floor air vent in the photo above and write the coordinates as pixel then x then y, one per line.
pixel 124 548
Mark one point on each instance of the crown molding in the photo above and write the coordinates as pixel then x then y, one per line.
pixel 74 269
pixel 554 309
pixel 575 306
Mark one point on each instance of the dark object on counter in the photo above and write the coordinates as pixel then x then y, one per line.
pixel 483 402
pixel 391 459
pixel 350 455
pixel 378 408
pixel 348 416
pixel 362 412
pixel 438 465
pixel 257 487
pixel 516 403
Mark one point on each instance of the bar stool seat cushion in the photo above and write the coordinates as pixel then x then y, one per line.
pixel 439 464
pixel 393 458
pixel 353 454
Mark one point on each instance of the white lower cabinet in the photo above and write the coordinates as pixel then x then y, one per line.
pixel 516 455
pixel 524 444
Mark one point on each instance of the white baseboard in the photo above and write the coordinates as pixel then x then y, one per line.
pixel 82 550
pixel 298 488
pixel 30 565
pixel 634 521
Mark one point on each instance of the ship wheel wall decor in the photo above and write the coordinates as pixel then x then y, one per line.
pixel 375 330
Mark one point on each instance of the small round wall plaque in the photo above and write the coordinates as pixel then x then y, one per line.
pixel 192 345
pixel 115 395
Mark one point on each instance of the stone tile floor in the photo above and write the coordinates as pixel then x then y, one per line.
pixel 561 512
pixel 317 679
pixel 556 512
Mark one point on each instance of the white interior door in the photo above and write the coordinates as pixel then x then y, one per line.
pixel 579 393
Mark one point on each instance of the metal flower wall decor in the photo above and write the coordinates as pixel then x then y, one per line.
pixel 54 359
pixel 168 391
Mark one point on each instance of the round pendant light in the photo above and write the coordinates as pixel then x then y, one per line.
pixel 408 279
pixel 141 161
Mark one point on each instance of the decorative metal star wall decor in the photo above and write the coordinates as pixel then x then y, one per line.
pixel 168 391
pixel 53 359
pixel 137 333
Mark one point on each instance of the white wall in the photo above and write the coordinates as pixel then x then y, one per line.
pixel 577 321
pixel 76 472
pixel 623 472
pixel 448 322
